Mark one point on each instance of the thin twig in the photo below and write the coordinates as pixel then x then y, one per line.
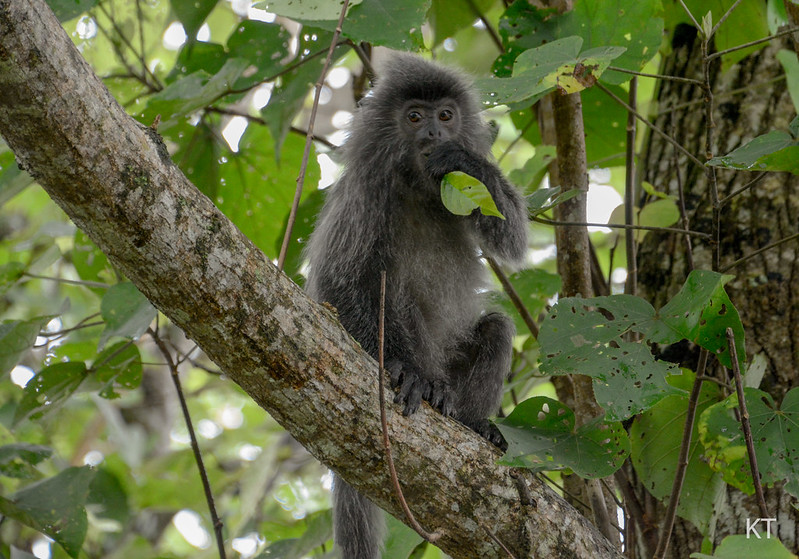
pixel 656 76
pixel 631 284
pixel 682 460
pixel 651 125
pixel 745 426
pixel 381 386
pixel 497 541
pixel 723 18
pixel 753 43
pixel 759 251
pixel 83 283
pixel 690 15
pixel 491 31
pixel 209 497
pixel 546 221
pixel 507 286
pixel 309 139
pixel 516 139
pixel 710 172
pixel 156 84
pixel 689 250
pixel 744 188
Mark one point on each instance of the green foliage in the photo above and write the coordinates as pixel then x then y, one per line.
pixel 561 65
pixel 462 194
pixel 775 434
pixel 542 435
pixel 72 321
pixel 745 547
pixel 656 436
pixel 777 150
pixel 54 506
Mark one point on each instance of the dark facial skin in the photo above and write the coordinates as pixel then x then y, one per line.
pixel 427 125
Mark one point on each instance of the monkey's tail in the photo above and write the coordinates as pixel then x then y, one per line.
pixel 358 525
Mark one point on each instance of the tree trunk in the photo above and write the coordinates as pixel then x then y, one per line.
pixel 765 290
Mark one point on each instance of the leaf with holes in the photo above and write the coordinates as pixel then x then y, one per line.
pixel 542 435
pixel 775 434
pixel 701 312
pixel 585 336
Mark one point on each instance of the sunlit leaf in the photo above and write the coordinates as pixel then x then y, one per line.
pixel 462 194
pixel 777 150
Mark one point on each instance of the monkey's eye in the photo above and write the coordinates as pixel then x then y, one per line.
pixel 445 115
pixel 414 116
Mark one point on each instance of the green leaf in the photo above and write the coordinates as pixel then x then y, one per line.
pixel 775 434
pixel 633 25
pixel 742 546
pixel 447 17
pixel 462 193
pixel 127 313
pixel 535 288
pixel 89 261
pixel 17 337
pixel 701 312
pixel 529 177
pixel 319 530
pixel 388 23
pixel 10 273
pixel 107 498
pixel 190 93
pixel 791 67
pixel 256 191
pixel 558 65
pixel 288 98
pixel 17 459
pixel 400 540
pixel 303 227
pixel 55 507
pixel 585 336
pixel 542 435
pixel 118 366
pixel 192 14
pixel 656 437
pixel 49 389
pixel 65 10
pixel 263 45
pixel 307 9
pixel 774 151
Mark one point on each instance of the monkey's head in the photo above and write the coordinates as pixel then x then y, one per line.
pixel 415 106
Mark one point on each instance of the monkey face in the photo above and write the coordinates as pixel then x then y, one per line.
pixel 425 125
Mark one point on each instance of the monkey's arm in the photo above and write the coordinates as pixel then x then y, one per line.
pixel 505 239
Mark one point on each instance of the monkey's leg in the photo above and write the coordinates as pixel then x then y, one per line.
pixel 358 524
pixel 477 374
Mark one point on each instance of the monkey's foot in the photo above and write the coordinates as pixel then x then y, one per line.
pixel 488 431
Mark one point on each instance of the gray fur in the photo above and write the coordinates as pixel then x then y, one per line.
pixel 385 213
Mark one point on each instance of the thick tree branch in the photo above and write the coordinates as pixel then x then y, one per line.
pixel 115 179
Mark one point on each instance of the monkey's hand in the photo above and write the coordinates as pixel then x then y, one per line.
pixel 451 156
pixel 413 388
